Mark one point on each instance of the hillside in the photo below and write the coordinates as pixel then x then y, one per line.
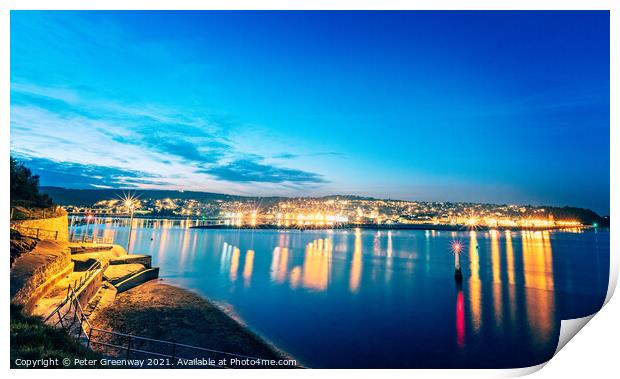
pixel 87 197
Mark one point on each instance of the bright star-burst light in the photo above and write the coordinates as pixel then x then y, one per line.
pixel 457 247
pixel 129 200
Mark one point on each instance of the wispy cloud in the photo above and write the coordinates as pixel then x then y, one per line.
pixel 84 116
pixel 293 156
pixel 249 170
pixel 76 175
pixel 64 127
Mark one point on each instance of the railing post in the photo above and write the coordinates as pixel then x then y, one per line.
pixel 74 312
pixel 60 319
pixel 56 236
pixel 90 332
pixel 128 347
pixel 37 233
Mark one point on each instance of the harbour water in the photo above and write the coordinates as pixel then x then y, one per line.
pixel 386 299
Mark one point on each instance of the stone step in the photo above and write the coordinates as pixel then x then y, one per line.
pixel 81 249
pixel 120 272
pixel 83 262
pixel 137 279
pixel 85 248
pixel 104 298
pixel 144 260
pixel 59 292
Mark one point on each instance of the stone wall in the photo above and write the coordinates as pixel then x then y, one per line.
pixel 34 273
pixel 58 224
pixel 90 288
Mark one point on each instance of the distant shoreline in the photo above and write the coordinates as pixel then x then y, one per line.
pixel 389 227
pixel 422 226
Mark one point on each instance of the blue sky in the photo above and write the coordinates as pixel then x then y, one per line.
pixel 505 107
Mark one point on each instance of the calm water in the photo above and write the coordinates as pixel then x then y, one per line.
pixel 387 298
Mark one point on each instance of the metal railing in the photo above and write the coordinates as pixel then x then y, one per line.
pixel 71 317
pixel 37 233
pixel 89 273
pixel 71 292
pixel 83 237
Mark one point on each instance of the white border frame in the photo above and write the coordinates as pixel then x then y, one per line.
pixel 606 328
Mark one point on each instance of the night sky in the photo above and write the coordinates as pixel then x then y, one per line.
pixel 502 107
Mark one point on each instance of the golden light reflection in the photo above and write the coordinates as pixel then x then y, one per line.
pixel 510 267
pixel 537 260
pixel 356 263
pixel 495 265
pixel 234 264
pixel 510 262
pixel 283 265
pixel 317 263
pixel 247 267
pixel 295 276
pixel 495 258
pixel 474 282
pixel 163 243
pixel 538 275
pixel 548 259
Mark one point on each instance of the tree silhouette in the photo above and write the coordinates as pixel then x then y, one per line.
pixel 25 186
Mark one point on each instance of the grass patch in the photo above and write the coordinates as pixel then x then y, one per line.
pixel 32 339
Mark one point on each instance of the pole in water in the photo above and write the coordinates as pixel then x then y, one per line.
pixel 456 249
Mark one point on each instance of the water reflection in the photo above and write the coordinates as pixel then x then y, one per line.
pixel 356 263
pixel 234 264
pixel 508 302
pixel 279 264
pixel 317 264
pixel 460 318
pixel 225 257
pixel 474 282
pixel 510 268
pixel 497 288
pixel 389 261
pixel 247 268
pixel 538 276
pixel 295 276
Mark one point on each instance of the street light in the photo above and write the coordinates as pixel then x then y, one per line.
pixel 129 203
